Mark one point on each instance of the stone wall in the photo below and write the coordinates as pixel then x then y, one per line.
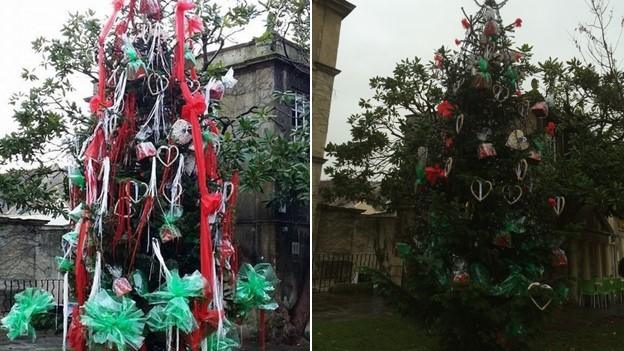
pixel 28 248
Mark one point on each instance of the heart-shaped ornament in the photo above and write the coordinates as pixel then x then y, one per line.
pixel 512 194
pixel 480 188
pixel 176 192
pixel 127 213
pixel 523 108
pixel 501 93
pixel 170 154
pixel 517 140
pixel 521 169
pixel 448 166
pixel 136 190
pixel 537 288
pixel 459 123
pixel 559 205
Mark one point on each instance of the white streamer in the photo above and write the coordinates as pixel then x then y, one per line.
pixel 97 274
pixel 176 184
pixel 65 308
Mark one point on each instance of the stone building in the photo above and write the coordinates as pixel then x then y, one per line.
pixel 327 16
pixel 280 236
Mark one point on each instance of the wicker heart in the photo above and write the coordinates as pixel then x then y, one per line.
pixel 176 196
pixel 559 204
pixel 500 92
pixel 521 169
pixel 534 287
pixel 170 151
pixel 129 210
pixel 512 194
pixel 459 123
pixel 448 166
pixel 136 191
pixel 476 188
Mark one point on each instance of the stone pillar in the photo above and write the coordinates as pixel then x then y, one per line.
pixel 586 261
pixel 327 16
pixel 607 259
pixel 573 264
pixel 597 262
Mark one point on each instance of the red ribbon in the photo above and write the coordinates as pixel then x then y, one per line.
pixel 98 103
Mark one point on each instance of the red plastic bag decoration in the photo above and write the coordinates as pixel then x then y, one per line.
pixel 559 258
pixel 194 25
pixel 150 8
pixel 551 128
pixel 465 23
pixel 439 60
pixel 445 109
pixel 434 173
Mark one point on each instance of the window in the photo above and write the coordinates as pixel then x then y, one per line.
pixel 299 111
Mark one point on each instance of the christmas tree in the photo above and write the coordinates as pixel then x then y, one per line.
pixel 484 253
pixel 152 259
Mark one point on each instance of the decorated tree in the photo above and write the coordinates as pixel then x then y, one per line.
pixel 466 160
pixel 155 172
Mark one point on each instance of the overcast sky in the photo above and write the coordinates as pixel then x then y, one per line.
pixel 378 34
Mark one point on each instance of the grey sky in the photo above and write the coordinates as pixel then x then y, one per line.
pixel 378 34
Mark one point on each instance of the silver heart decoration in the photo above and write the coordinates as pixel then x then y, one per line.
pixel 521 169
pixel 559 205
pixel 459 123
pixel 512 194
pixel 177 195
pixel 523 109
pixel 123 215
pixel 537 285
pixel 136 191
pixel 168 149
pixel 476 188
pixel 448 166
pixel 500 92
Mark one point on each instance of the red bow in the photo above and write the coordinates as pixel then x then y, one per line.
pixel 552 202
pixel 434 173
pixel 118 4
pixel 95 104
pixel 465 23
pixel 195 107
pixel 439 60
pixel 518 23
pixel 194 25
pixel 445 109
pixel 211 202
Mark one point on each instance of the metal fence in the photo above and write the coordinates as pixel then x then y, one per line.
pixel 331 269
pixel 10 287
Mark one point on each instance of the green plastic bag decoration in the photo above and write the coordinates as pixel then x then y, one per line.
pixel 64 264
pixel 114 321
pixel 76 213
pixel 255 288
pixel 483 65
pixel 28 303
pixel 76 178
pixel 168 231
pixel 173 298
pixel 223 343
pixel 136 68
pixel 421 177
pixel 71 237
pixel 189 58
pixel 515 284
pixel 511 74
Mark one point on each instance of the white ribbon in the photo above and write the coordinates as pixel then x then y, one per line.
pixel 97 274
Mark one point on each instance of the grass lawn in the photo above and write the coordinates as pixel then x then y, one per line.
pixel 572 329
